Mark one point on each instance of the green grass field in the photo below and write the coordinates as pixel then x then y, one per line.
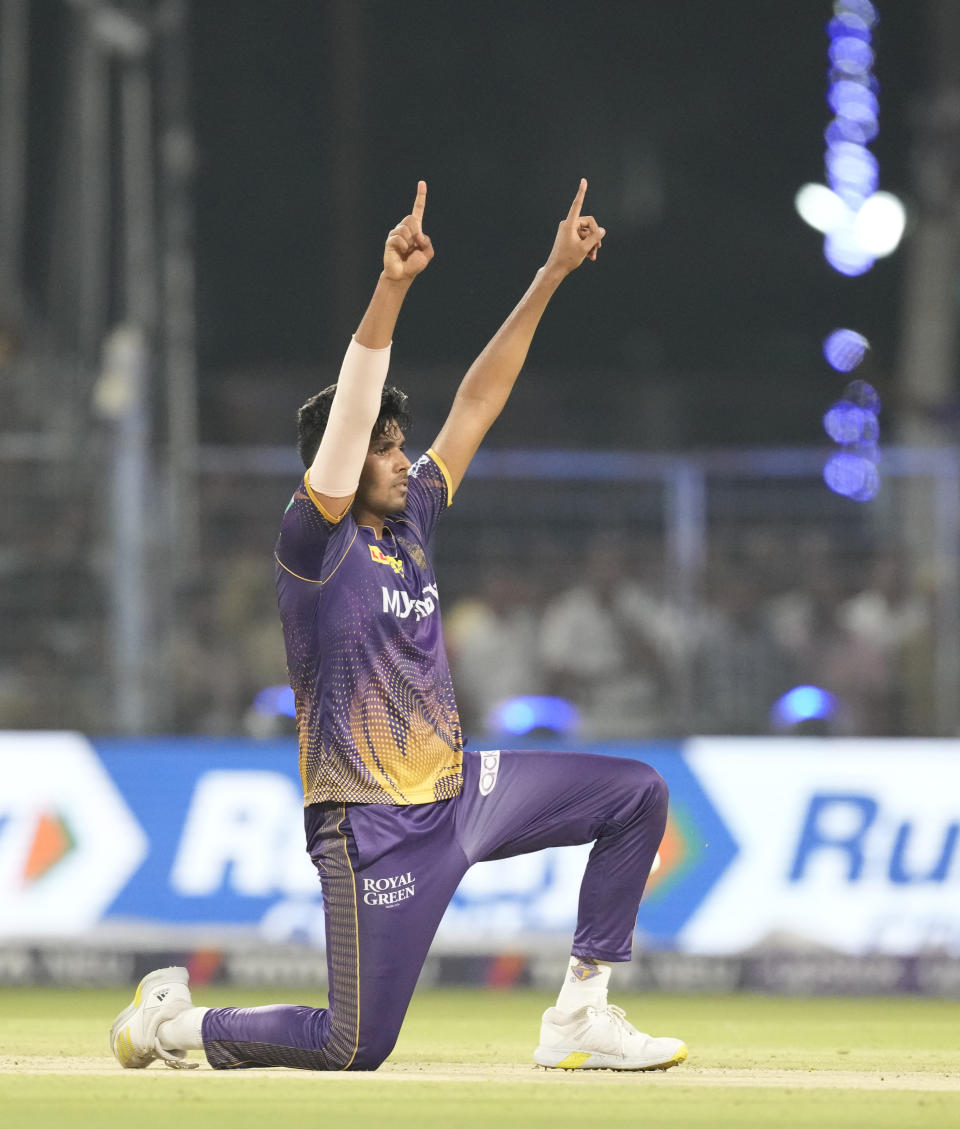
pixel 463 1061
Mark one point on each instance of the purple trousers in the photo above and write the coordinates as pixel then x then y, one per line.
pixel 388 874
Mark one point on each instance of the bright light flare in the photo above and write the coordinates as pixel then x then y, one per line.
pixel 880 223
pixel 844 253
pixel 803 703
pixel 821 207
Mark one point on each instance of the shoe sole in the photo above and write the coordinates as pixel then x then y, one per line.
pixel 585 1060
pixel 121 1041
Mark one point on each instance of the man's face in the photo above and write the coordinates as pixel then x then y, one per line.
pixel 383 480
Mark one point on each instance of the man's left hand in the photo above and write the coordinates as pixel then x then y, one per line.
pixel 579 237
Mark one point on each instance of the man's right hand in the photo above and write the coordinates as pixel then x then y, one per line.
pixel 408 249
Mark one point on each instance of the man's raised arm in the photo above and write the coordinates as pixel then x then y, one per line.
pixel 490 379
pixel 335 472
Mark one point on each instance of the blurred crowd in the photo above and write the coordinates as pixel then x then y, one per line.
pixel 636 663
pixel 603 628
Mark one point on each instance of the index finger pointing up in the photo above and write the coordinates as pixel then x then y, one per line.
pixel 420 202
pixel 577 204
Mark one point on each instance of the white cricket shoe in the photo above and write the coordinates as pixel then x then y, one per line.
pixel 600 1038
pixel 133 1037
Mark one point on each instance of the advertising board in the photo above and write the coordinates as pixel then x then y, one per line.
pixel 848 845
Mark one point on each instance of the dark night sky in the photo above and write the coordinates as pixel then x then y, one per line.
pixel 695 123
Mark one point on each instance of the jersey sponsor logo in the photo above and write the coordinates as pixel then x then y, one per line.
pixel 399 603
pixel 489 770
pixel 419 465
pixel 418 555
pixel 389 891
pixel 380 557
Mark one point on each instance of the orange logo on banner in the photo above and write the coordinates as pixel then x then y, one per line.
pixel 52 842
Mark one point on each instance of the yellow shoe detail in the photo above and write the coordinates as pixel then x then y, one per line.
pixel 574 1060
pixel 678 1057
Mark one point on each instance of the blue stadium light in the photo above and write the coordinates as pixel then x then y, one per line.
pixel 847 423
pixel 852 168
pixel 844 253
pixel 275 701
pixel 869 434
pixel 864 395
pixel 853 475
pixel 851 98
pixel 862 10
pixel 803 703
pixel 535 711
pixel 861 224
pixel 870 486
pixel 844 349
pixel 851 55
pixel 848 26
pixel 844 129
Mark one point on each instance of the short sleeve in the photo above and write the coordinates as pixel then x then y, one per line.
pixel 307 533
pixel 428 493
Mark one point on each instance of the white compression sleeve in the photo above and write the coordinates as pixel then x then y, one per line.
pixel 356 404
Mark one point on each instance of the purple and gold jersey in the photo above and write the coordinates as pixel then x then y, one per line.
pixel 376 714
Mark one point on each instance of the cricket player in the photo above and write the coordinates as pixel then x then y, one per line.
pixel 396 810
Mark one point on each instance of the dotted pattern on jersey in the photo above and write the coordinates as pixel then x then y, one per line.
pixel 376 712
pixel 343 961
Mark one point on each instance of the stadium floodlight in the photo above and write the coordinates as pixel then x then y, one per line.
pixel 846 423
pixel 859 225
pixel 844 349
pixel 844 253
pixel 862 393
pixel 524 714
pixel 871 231
pixel 275 701
pixel 852 475
pixel 803 703
pixel 821 207
pixel 851 55
pixel 880 223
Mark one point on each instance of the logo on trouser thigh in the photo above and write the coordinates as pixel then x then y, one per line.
pixel 389 891
pixel 489 769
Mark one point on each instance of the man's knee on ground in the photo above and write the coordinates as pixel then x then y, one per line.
pixel 373 1053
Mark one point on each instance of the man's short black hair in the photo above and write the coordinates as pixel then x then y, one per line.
pixel 312 418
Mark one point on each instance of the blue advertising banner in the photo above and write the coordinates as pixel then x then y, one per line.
pixel 210 832
pixel 852 845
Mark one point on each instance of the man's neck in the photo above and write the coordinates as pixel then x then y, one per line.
pixel 369 520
